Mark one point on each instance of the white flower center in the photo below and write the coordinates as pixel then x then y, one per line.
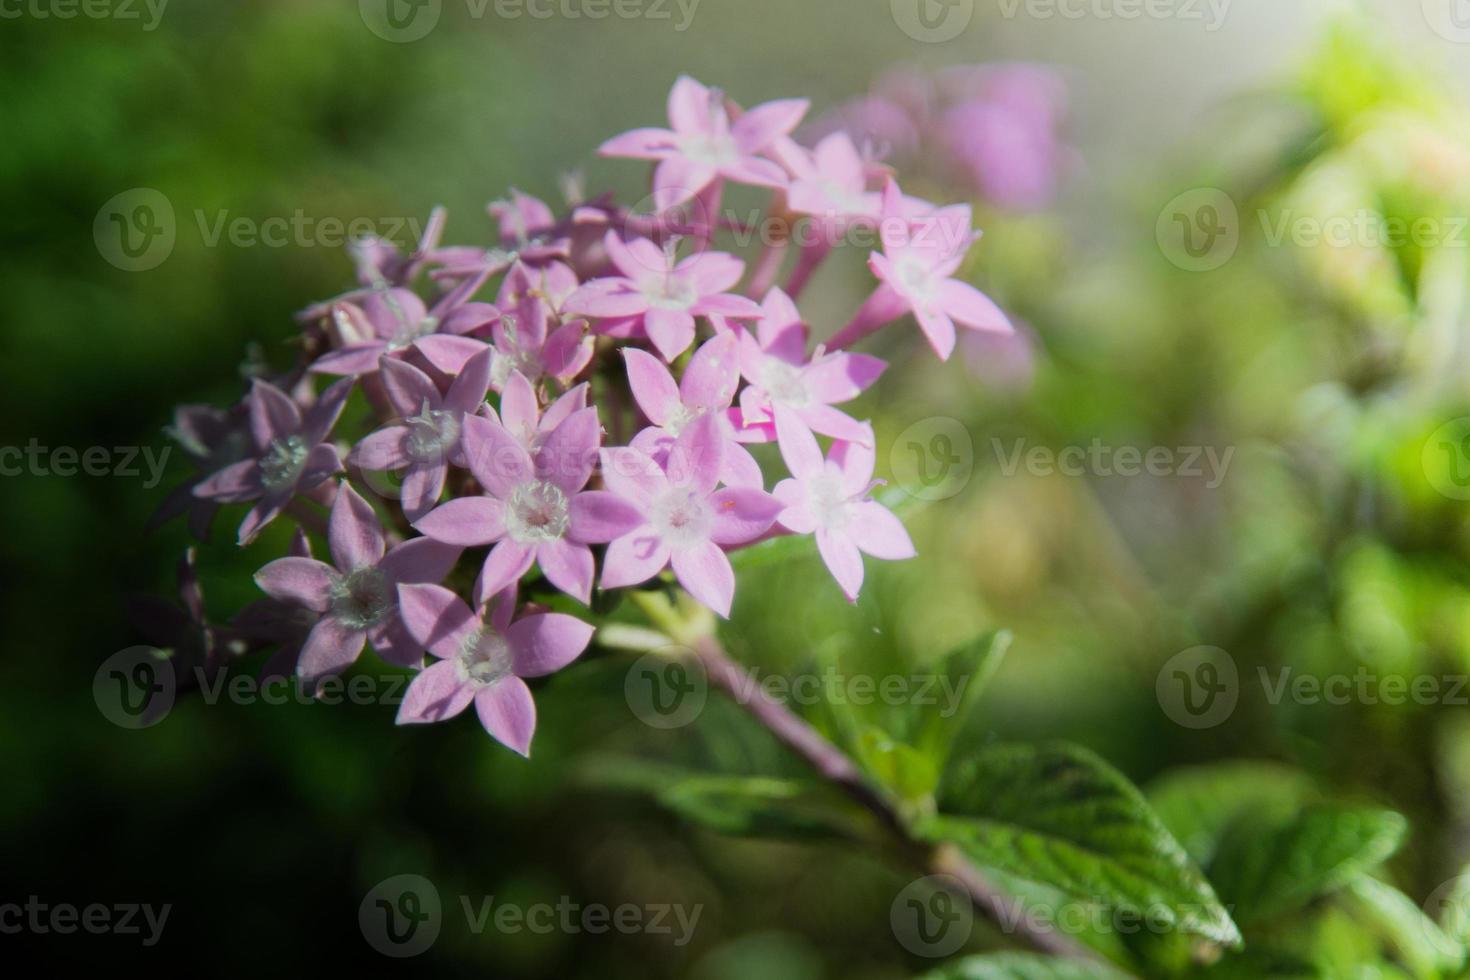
pixel 917 278
pixel 783 382
pixel 362 599
pixel 484 659
pixel 670 292
pixel 409 332
pixel 537 512
pixel 679 417
pixel 682 517
pixel 283 462
pixel 830 504
pixel 709 149
pixel 431 435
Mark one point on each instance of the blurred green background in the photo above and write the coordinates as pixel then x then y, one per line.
pixel 1325 370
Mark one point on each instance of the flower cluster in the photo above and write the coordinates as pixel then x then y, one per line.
pixel 629 372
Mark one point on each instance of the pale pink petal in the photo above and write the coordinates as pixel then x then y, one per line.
pixel 632 475
pixel 330 648
pixel 436 694
pixel 972 308
pixel 843 560
pixel 698 454
pixel 234 484
pixel 465 521
pixel 568 566
pixel 677 179
pixel 841 377
pixel 305 581
pixel 705 573
pixel 606 298
pixel 449 353
pixel 757 128
pixel 712 272
pixel 740 469
pixel 690 106
pixel 545 643
pixel 573 401
pixel 273 415
pixel 507 562
pixel 876 531
pixel 508 713
pixel 829 421
pixel 351 360
pixel 495 457
pixel 423 483
pixel 409 389
pixel 742 514
pixel 753 170
pixel 436 618
pixel 323 414
pixel 672 331
pixel 797 517
pixel 467 393
pixel 569 454
pixel 519 412
pixel 599 516
pixel 568 351
pixel 635 557
pixel 729 305
pixel 382 450
pixel 395 644
pixel 648 143
pixel 711 376
pixel 355 535
pixel 321 463
pixel 798 446
pixel 653 386
pixel 939 330
pixel 419 560
pixel 855 461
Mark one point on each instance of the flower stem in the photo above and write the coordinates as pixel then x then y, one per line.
pixel 833 765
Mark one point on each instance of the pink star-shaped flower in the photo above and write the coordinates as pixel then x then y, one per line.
pixel 686 522
pixel 356 594
pixel 389 321
pixel 830 499
pixel 427 438
pixel 704 145
pixel 533 509
pixel 483 658
pixel 660 294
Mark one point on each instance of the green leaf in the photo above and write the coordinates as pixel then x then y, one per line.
pixel 1058 814
pixel 903 769
pixel 1021 966
pixel 756 806
pixel 968 670
pixel 1419 942
pixel 1266 868
pixel 1199 804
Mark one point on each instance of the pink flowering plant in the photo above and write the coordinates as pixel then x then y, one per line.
pixel 576 438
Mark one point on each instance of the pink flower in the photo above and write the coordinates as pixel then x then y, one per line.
pixel 426 441
pixel 357 598
pixel 484 660
pixel 782 380
pixel 917 267
pixel 662 295
pixel 521 415
pixel 212 438
pixel 830 498
pixel 685 519
pixel 389 321
pixel 292 454
pixel 831 182
pixel 528 231
pixel 704 145
pixel 533 509
pixel 707 388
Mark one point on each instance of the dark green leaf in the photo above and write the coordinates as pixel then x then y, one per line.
pixel 755 806
pixel 1060 815
pixel 1198 804
pixel 1021 966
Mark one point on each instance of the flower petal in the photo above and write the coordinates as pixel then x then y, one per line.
pixel 273 415
pixel 465 521
pixel 545 643
pixel 436 694
pixel 705 573
pixel 843 560
pixel 495 457
pixel 568 566
pixel 600 516
pixel 711 376
pixel 436 618
pixel 330 648
pixel 569 455
pixel 653 386
pixel 742 514
pixel 300 580
pixel 354 533
pixel 876 531
pixel 672 331
pixel 419 560
pixel 507 562
pixel 508 713
pixel 635 557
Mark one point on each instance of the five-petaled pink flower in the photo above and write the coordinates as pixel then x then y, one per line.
pixel 783 381
pixel 426 440
pixel 660 294
pixel 292 454
pixel 389 321
pixel 704 145
pixel 357 598
pixel 685 520
pixel 830 499
pixel 533 509
pixel 707 388
pixel 483 659
pixel 916 267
